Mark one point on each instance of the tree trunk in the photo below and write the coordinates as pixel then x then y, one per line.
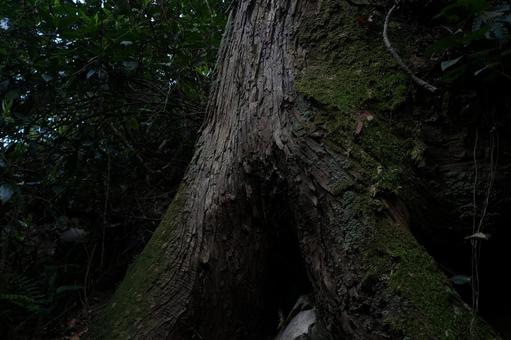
pixel 297 186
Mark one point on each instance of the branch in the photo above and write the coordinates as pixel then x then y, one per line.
pixel 398 59
pixel 356 4
pixel 364 4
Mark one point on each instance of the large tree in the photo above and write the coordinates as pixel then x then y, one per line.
pixel 298 185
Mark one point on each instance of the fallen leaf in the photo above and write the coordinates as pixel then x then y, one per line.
pixel 359 128
pixel 362 116
pixel 71 323
pixel 479 235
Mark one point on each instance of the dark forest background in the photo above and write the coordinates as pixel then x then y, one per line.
pixel 101 102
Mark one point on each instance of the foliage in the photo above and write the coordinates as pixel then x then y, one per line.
pixel 100 104
pixel 478 45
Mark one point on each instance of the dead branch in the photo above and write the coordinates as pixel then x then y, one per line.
pixel 396 56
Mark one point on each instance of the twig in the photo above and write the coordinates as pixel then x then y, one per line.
pixel 105 208
pixel 361 4
pixel 396 56
pixel 474 258
pixel 477 227
pixel 128 144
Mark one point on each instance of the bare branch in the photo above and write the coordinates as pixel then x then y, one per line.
pixel 396 56
pixel 356 4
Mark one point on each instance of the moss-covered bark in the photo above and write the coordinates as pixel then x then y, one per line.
pixel 301 119
pixel 434 309
pixel 132 301
pixel 356 89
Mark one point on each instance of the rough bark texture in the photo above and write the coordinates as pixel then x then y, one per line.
pixel 295 167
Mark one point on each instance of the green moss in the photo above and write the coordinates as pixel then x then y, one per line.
pixel 131 301
pixel 356 81
pixel 343 186
pixel 431 308
pixel 382 157
pixel 350 86
pixel 349 68
pixel 420 301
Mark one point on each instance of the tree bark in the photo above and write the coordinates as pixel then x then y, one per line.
pixel 297 186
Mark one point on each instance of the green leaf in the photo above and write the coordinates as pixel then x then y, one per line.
pixel 130 65
pixel 449 63
pixel 460 279
pixel 132 124
pixel 6 192
pixel 479 236
pixel 91 73
pixel 11 95
pixel 455 73
pixel 65 289
pixel 46 77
